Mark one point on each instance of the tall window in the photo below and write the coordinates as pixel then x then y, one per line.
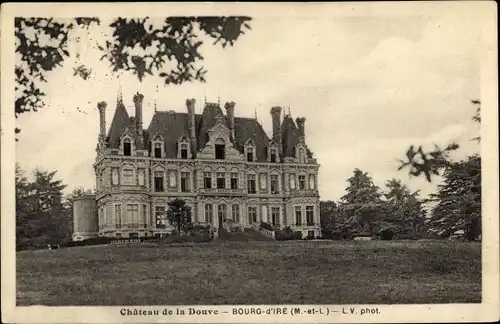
pixel 292 181
pixel 274 184
pixel 275 216
pixel 234 180
pixel 140 176
pixel 145 217
pixel 127 147
pixel 302 155
pixel 158 181
pixel 250 154
pixel 221 180
pixel 209 213
pixel 132 215
pixel 251 184
pixel 185 187
pixel 252 215
pixel 298 215
pixel 220 151
pixel 184 151
pixel 273 155
pixel 312 181
pixel 118 216
pixel 128 177
pixel 302 182
pixel 222 212
pixel 157 150
pixel 114 176
pixel 236 213
pixel 263 181
pixel 160 216
pixel 207 180
pixel 173 178
pixel 310 215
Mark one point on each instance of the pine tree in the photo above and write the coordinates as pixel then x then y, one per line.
pixel 42 218
pixel 361 207
pixel 459 200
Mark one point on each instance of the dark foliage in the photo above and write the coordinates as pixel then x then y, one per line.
pixel 135 46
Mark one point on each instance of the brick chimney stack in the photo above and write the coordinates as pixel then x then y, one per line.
pixel 102 120
pixel 138 99
pixel 192 125
pixel 230 116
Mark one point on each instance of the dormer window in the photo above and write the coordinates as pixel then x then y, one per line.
pixel 184 151
pixel 127 147
pixel 220 149
pixel 250 154
pixel 302 155
pixel 157 150
pixel 272 156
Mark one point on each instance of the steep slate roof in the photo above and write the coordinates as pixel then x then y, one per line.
pixel 120 121
pixel 210 111
pixel 289 136
pixel 172 125
pixel 245 128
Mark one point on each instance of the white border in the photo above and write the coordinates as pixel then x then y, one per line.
pixel 488 310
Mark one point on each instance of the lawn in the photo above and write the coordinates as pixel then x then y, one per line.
pixel 294 272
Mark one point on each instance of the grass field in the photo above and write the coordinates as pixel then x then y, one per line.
pixel 295 272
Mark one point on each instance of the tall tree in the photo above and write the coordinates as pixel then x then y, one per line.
pixel 41 215
pixel 141 46
pixel 407 213
pixel 361 206
pixel 179 215
pixel 327 213
pixel 459 200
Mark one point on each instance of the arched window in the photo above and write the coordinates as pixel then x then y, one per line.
pixel 209 213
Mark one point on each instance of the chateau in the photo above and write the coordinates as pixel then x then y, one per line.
pixel 223 166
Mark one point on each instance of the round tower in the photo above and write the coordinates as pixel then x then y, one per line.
pixel 85 220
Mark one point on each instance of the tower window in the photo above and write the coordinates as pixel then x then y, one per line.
pixel 302 182
pixel 127 148
pixel 220 151
pixel 157 150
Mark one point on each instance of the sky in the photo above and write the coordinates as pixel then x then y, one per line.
pixel 368 87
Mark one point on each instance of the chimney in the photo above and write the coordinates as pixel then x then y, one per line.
pixel 230 116
pixel 276 116
pixel 192 124
pixel 300 123
pixel 102 120
pixel 138 98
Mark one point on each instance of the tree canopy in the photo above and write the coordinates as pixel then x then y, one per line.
pixel 170 50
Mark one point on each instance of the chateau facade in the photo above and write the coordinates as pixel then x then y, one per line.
pixel 224 167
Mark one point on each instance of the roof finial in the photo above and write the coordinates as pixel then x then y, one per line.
pixel 255 113
pixel 218 97
pixel 155 106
